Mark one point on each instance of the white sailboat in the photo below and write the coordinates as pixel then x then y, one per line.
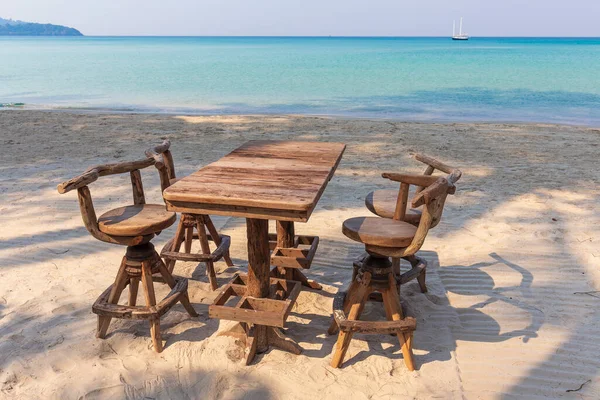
pixel 461 35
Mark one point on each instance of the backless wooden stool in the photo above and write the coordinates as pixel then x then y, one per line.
pixel 383 203
pixel 384 238
pixel 191 226
pixel 132 226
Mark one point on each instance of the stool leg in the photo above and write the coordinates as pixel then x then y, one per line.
pixel 189 235
pixel 217 239
pixel 151 301
pixel 184 298
pixel 210 268
pixel 115 293
pixel 179 237
pixel 415 262
pixel 354 287
pixel 334 328
pixel 396 266
pixel 155 334
pixel 421 279
pixel 393 311
pixel 356 301
pixel 133 290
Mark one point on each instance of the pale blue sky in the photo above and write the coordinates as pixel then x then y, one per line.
pixel 314 17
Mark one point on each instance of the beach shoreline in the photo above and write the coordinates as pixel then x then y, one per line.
pixel 343 116
pixel 509 264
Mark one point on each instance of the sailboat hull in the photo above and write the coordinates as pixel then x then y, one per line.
pixel 460 38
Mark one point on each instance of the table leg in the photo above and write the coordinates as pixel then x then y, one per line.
pixel 285 238
pixel 257 231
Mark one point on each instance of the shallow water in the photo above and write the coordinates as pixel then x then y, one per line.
pixel 428 79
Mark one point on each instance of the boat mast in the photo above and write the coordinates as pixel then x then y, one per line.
pixel 460 29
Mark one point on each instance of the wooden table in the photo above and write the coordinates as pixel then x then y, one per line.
pixel 261 180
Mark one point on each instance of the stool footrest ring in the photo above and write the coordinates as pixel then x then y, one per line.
pixel 103 308
pixel 408 324
pixel 215 256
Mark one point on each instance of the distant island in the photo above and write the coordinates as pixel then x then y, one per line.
pixel 9 27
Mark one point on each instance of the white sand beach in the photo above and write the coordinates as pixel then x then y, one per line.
pixel 514 280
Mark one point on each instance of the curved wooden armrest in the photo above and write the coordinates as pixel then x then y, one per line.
pixel 78 182
pixel 92 173
pixel 432 162
pixel 121 168
pixel 411 179
pixel 433 191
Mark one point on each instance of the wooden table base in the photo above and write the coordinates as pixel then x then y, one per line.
pixel 252 336
pixel 258 338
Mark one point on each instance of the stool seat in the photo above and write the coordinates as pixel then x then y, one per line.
pixel 378 231
pixel 383 203
pixel 141 219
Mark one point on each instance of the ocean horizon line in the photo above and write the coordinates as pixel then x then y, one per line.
pixel 298 37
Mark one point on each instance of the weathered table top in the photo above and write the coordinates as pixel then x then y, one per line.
pixel 280 180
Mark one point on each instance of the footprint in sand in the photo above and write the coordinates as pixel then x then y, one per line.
pixel 68 309
pixel 435 299
pixel 134 364
pixel 56 341
pixel 63 364
pixel 221 385
pixel 8 382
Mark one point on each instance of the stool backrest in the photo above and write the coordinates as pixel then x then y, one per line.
pixel 163 161
pixel 432 198
pixel 432 165
pixel 91 175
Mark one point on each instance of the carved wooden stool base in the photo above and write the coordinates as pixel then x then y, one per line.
pixel 374 275
pixel 418 270
pixel 185 234
pixel 139 264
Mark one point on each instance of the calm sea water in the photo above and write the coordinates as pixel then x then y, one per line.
pixel 428 79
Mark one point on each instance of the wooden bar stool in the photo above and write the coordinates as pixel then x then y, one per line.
pixel 132 226
pixel 191 226
pixel 384 238
pixel 384 204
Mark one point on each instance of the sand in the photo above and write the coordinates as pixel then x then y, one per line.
pixel 513 267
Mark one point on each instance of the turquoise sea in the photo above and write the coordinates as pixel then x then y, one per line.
pixel 424 79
